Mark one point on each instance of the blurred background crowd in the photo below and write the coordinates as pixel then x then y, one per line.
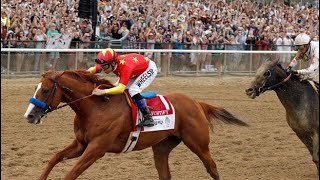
pixel 158 24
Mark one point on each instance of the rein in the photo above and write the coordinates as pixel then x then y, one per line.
pixel 263 89
pixel 74 101
pixel 47 108
pixel 66 104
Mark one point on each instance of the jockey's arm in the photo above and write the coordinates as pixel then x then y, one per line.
pixel 116 90
pixel 116 83
pixel 312 68
pixel 94 69
pixel 294 61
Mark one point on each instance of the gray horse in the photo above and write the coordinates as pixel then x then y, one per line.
pixel 299 98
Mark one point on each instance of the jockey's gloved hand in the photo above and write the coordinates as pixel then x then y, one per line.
pixel 289 69
pixel 295 72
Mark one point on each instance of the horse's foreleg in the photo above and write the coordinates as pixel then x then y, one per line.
pixel 92 153
pixel 306 139
pixel 161 153
pixel 74 150
pixel 312 143
pixel 315 155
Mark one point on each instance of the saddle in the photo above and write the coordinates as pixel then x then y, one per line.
pixel 313 83
pixel 316 84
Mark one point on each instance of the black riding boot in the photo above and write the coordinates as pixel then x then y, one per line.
pixel 147 118
pixel 142 106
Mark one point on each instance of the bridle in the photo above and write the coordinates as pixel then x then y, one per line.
pixel 263 88
pixel 46 106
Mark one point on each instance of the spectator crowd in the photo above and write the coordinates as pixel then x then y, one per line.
pixel 159 24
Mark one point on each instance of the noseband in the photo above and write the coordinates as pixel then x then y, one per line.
pixel 42 104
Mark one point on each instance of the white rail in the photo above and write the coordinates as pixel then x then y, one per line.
pixel 147 50
pixel 165 62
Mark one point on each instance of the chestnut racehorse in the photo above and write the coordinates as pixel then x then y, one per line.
pixel 103 124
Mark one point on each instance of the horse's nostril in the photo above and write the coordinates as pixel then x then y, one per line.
pixel 249 90
pixel 30 116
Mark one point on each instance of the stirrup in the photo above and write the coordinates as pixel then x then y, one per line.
pixel 143 123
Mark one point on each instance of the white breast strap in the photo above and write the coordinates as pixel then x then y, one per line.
pixel 132 141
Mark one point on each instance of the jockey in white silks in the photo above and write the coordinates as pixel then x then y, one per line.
pixel 307 50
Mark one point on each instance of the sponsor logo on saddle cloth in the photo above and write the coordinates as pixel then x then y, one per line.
pixel 162 112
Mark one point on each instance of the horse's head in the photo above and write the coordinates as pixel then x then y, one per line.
pixel 67 86
pixel 47 96
pixel 268 76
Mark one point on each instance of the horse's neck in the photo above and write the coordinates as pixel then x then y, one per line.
pixel 76 94
pixel 90 106
pixel 291 94
pixel 74 89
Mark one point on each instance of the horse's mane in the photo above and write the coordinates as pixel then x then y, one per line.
pixel 83 75
pixel 295 78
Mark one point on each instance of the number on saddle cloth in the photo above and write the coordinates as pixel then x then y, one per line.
pixel 148 94
pixel 38 103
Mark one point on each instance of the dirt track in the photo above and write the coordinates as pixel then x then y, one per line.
pixel 267 150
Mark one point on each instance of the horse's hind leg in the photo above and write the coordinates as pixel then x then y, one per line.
pixel 200 146
pixel 161 153
pixel 74 150
pixel 205 156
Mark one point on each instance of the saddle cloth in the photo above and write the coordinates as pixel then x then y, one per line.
pixel 162 112
pixel 161 109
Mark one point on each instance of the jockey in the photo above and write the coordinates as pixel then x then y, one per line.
pixel 307 50
pixel 135 73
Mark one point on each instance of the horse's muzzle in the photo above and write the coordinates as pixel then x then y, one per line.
pixel 34 118
pixel 252 93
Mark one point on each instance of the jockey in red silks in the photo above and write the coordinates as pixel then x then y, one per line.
pixel 136 72
pixel 307 50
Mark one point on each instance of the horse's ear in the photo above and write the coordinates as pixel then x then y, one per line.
pixel 50 72
pixel 275 61
pixel 266 61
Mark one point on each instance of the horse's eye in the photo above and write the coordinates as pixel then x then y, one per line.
pixel 267 74
pixel 45 92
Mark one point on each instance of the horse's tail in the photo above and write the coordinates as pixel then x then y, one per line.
pixel 213 112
